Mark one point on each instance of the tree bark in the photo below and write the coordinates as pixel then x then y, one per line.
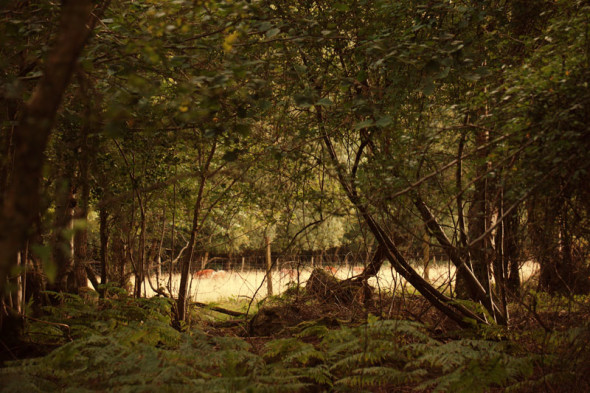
pixel 268 266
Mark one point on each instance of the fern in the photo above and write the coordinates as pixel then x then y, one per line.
pixel 312 329
pixel 129 346
pixel 470 366
pixel 379 376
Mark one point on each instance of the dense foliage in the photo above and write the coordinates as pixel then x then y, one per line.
pixel 142 140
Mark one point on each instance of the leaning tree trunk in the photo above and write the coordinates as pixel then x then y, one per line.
pixel 473 286
pixel 446 305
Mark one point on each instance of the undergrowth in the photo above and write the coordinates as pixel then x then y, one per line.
pixel 123 344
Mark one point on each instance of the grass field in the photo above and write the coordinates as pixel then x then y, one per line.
pixel 244 285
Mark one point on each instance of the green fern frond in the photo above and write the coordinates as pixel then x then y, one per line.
pixel 319 374
pixel 292 350
pixel 357 360
pixel 470 366
pixel 313 330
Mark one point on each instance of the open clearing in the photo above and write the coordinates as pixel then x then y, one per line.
pixel 242 285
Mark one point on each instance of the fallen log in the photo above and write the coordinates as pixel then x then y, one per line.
pixel 219 309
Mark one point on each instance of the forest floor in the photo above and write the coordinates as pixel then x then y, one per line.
pixel 302 341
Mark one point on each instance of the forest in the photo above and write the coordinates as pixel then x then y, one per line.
pixel 295 196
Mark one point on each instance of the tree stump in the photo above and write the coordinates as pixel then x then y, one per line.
pixel 327 287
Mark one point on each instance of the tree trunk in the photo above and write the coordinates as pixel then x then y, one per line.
pixel 478 217
pixel 140 264
pixel 499 262
pixel 187 260
pixel 119 258
pixel 81 217
pixel 461 279
pixel 268 266
pixel 104 243
pixel 185 269
pixel 21 199
pixel 512 252
pixel 62 252
pixel 159 253
pixel 426 256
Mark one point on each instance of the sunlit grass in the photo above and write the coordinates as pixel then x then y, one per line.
pixel 235 287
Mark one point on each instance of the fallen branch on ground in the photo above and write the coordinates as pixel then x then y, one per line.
pixel 219 309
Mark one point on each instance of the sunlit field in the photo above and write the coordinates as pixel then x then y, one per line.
pixel 243 285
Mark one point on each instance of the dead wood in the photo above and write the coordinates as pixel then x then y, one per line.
pixel 326 287
pixel 219 309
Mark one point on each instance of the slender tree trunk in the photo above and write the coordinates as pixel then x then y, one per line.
pixel 159 254
pixel 81 217
pixel 62 256
pixel 85 155
pixel 187 260
pixel 480 251
pixel 104 243
pixel 546 232
pixel 461 280
pixel 140 264
pixel 268 266
pixel 119 256
pixel 172 237
pixel 511 252
pixel 426 256
pixel 186 265
pixel 499 263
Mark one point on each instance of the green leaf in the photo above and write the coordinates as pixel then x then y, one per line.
pixel 231 155
pixel 324 102
pixel 363 124
pixel 272 32
pixel 428 88
pixel 384 121
pixel 472 77
pixel 303 101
